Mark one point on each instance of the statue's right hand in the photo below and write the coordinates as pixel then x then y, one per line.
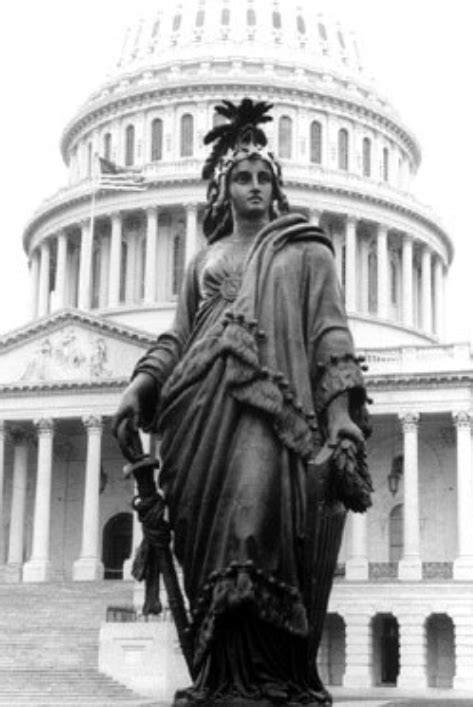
pixel 138 401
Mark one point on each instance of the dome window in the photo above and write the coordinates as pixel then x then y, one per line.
pixel 386 164
pixel 89 159
pixel 107 146
pixel 200 19
pixel 285 137
pixel 176 23
pixel 300 24
pixel 366 157
pixel 322 32
pixel 187 135
pixel 343 146
pixel 129 145
pixel 155 29
pixel 276 19
pixel 225 20
pixel 156 140
pixel 316 142
pixel 250 17
pixel 341 41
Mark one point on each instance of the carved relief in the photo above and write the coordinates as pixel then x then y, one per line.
pixel 68 356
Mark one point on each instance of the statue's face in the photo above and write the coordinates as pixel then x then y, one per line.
pixel 251 188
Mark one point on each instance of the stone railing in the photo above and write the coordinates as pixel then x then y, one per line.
pixel 418 359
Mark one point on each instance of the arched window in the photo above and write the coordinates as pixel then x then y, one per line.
pixel 300 24
pixel 366 157
pixel 176 23
pixel 250 17
pixel 129 145
pixel 177 263
pixel 285 137
pixel 199 21
pixel 372 282
pixel 396 538
pixel 187 135
pixel 385 164
pixel 107 146
pixel 225 19
pixel 276 19
pixel 341 41
pixel 155 29
pixel 156 140
pixel 343 149
pixel 322 32
pixel 316 142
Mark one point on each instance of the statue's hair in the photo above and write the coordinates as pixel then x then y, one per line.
pixel 238 139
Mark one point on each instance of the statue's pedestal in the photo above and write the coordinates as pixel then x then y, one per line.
pixel 144 656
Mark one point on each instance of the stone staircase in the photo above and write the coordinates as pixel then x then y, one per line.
pixel 49 644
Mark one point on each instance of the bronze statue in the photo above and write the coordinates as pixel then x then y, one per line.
pixel 260 404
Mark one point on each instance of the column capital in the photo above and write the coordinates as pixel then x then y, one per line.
pixel 19 434
pixel 92 423
pixel 407 238
pixel 351 219
pixel 191 206
pixel 152 210
pixel 409 421
pixel 462 419
pixel 382 228
pixel 44 425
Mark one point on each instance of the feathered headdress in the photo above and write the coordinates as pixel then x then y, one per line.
pixel 240 133
pixel 241 137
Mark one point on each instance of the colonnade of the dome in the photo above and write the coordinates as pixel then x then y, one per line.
pixel 137 257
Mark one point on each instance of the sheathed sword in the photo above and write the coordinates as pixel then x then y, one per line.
pixel 325 519
pixel 154 557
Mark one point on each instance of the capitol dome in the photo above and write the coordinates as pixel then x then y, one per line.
pixel 348 164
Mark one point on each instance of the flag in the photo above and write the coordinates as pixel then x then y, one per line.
pixel 112 176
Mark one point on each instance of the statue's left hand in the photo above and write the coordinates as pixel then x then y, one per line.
pixel 340 425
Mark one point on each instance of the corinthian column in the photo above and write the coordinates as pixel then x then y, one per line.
pixel 43 295
pixel 463 565
pixel 34 283
pixel 439 298
pixel 38 567
pixel 410 566
pixel 427 290
pixel 85 265
pixel 150 260
pixel 115 260
pixel 191 232
pixel 61 264
pixel 407 300
pixel 383 282
pixel 18 505
pixel 89 567
pixel 350 264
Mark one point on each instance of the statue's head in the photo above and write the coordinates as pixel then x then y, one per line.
pixel 238 142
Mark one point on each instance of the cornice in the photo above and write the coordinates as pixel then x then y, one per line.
pixel 416 380
pixel 63 386
pixel 40 326
pixel 197 87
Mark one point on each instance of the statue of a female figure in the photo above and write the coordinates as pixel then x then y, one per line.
pixel 257 373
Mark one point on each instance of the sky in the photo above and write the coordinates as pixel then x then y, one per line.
pixel 54 53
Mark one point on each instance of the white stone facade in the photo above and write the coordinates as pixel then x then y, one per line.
pixel 102 288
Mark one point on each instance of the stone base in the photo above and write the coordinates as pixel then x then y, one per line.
pixel 413 679
pixel 463 569
pixel 357 570
pixel 410 570
pixel 144 656
pixel 87 569
pixel 12 574
pixel 357 680
pixel 463 682
pixel 37 571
